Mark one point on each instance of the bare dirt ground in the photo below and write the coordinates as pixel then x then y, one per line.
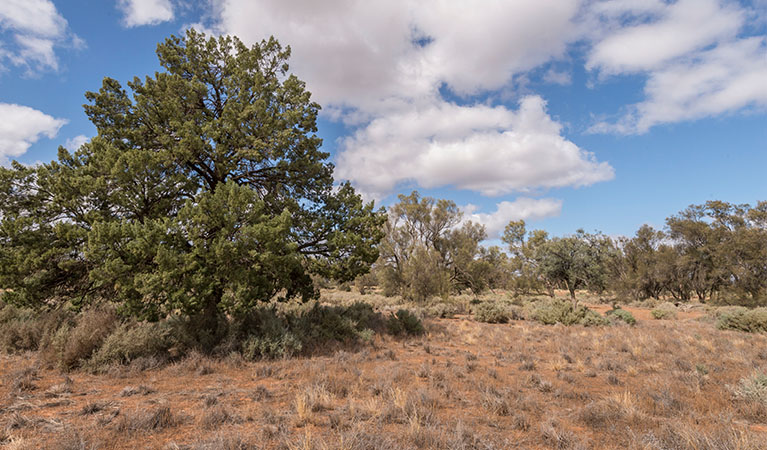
pixel 658 385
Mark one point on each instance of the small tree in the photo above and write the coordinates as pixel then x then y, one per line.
pixel 523 247
pixel 205 191
pixel 426 253
pixel 576 261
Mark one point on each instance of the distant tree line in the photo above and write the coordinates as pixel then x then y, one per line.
pixel 712 252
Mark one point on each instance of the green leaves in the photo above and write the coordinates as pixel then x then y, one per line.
pixel 204 191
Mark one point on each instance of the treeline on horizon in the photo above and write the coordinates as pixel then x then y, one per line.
pixel 715 252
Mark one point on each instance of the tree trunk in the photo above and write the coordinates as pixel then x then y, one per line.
pixel 571 288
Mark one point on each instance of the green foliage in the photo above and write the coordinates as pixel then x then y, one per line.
pixel 576 261
pixel 555 311
pixel 272 331
pixel 404 322
pixel 204 192
pixel 426 254
pixel 621 315
pixel 663 314
pixel 742 319
pixel 716 252
pixel 134 340
pixel 496 312
pixel 443 310
pixel 523 248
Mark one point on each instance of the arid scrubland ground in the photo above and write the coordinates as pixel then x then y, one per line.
pixel 661 384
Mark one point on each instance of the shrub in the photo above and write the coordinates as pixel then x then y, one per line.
pixel 23 329
pixel 491 312
pixel 442 310
pixel 496 312
pixel 134 340
pixel 663 314
pixel 363 283
pixel 276 331
pixel 19 329
pixel 74 342
pixel 558 311
pixel 403 321
pixel 753 388
pixel 742 319
pixel 622 315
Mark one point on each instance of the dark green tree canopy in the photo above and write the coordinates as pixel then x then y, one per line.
pixel 205 189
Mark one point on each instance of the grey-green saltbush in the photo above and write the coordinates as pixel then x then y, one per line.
pixel 622 315
pixel 743 319
pixel 550 312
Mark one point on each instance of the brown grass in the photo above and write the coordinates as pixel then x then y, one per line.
pixel 662 384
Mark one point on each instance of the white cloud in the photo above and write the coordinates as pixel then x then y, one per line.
pixel 36 27
pixel 523 208
pixel 561 78
pixel 491 150
pixel 374 55
pixel 696 62
pixel 683 26
pixel 380 66
pixel 726 78
pixel 72 144
pixel 21 126
pixel 145 12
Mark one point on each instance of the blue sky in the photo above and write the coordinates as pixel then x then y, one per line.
pixel 600 114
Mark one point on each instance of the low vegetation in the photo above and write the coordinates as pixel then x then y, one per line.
pixel 455 383
pixel 98 339
pixel 743 319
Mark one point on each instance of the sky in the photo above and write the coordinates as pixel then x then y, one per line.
pixel 594 114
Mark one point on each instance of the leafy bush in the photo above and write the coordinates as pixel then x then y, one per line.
pixel 442 310
pixel 742 319
pixel 403 321
pixel 558 311
pixel 663 314
pixel 276 331
pixel 496 312
pixel 134 340
pixel 491 312
pixel 622 315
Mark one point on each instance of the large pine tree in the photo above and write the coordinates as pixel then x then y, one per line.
pixel 205 191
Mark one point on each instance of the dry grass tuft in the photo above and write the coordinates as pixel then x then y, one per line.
pixel 158 418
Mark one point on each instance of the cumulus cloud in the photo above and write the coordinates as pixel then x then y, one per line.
pixel 373 55
pixel 145 12
pixel 696 60
pixel 22 126
pixel 30 30
pixel 523 208
pixel 380 66
pixel 491 150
